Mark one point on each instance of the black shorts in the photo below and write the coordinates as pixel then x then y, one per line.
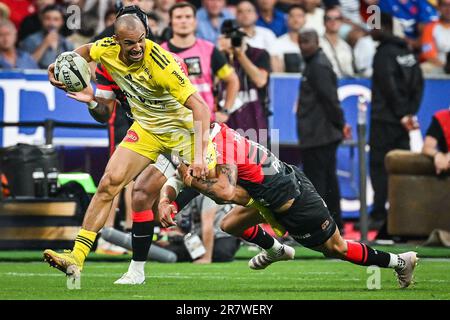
pixel 308 220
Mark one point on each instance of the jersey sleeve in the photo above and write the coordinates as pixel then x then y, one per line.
pixel 170 75
pixel 100 47
pixel 105 83
pixel 219 65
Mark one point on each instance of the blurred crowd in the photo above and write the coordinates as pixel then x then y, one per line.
pixel 34 32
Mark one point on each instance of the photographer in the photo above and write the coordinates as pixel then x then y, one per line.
pixel 252 66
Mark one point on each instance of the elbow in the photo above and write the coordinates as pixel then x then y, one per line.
pixel 261 82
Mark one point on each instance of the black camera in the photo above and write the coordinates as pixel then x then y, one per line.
pixel 230 29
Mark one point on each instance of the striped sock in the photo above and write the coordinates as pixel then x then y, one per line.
pixel 83 244
pixel 362 254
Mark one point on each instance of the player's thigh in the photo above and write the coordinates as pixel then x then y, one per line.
pixel 143 142
pixel 123 166
pixel 239 219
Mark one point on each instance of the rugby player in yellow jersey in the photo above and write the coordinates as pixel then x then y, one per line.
pixel 169 116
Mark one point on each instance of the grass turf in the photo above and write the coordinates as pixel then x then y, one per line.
pixel 299 279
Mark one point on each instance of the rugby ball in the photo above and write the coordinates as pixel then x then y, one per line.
pixel 72 70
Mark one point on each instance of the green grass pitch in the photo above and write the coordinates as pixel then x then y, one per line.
pixel 305 278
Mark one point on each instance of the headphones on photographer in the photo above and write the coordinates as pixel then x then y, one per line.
pixel 137 12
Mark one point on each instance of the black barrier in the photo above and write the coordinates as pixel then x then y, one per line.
pixel 50 125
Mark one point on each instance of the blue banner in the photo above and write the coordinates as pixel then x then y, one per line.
pixel 28 96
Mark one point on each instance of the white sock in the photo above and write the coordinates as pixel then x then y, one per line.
pixel 137 267
pixel 275 248
pixel 396 261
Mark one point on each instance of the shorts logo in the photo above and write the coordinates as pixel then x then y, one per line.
pixel 131 136
pixel 325 224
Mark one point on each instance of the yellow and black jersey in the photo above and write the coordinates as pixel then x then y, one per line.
pixel 156 88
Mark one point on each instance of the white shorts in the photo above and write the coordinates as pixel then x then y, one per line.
pixel 165 166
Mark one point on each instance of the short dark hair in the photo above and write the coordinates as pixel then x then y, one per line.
pixel 153 16
pixel 52 7
pixel 296 6
pixel 182 4
pixel 331 8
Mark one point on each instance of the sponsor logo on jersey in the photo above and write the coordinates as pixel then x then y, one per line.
pixel 179 77
pixel 131 136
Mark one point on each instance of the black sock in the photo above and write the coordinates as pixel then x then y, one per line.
pixel 259 237
pixel 141 239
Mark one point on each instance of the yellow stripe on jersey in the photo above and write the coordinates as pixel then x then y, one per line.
pixel 155 87
pixel 224 72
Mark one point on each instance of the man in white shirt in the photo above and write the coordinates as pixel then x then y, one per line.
pixel 337 50
pixel 287 56
pixel 314 16
pixel 258 37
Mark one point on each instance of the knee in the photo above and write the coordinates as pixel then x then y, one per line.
pixel 140 198
pixel 110 185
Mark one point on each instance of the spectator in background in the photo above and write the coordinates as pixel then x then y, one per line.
pixel 257 37
pixel 210 18
pixel 314 16
pixel 412 16
pixel 363 51
pixel 5 12
pixel 110 17
pixel 202 217
pixel 92 17
pixel 320 123
pixel 286 54
pixel 205 63
pixel 153 24
pixel 397 88
pixel 436 40
pixel 162 8
pixel 44 46
pixel 350 11
pixel 337 50
pixel 252 65
pixel 270 17
pixel 10 57
pixel 437 141
pixel 32 23
pixel 19 10
pixel 109 30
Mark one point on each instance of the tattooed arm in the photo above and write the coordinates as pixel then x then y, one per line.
pixel 221 187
